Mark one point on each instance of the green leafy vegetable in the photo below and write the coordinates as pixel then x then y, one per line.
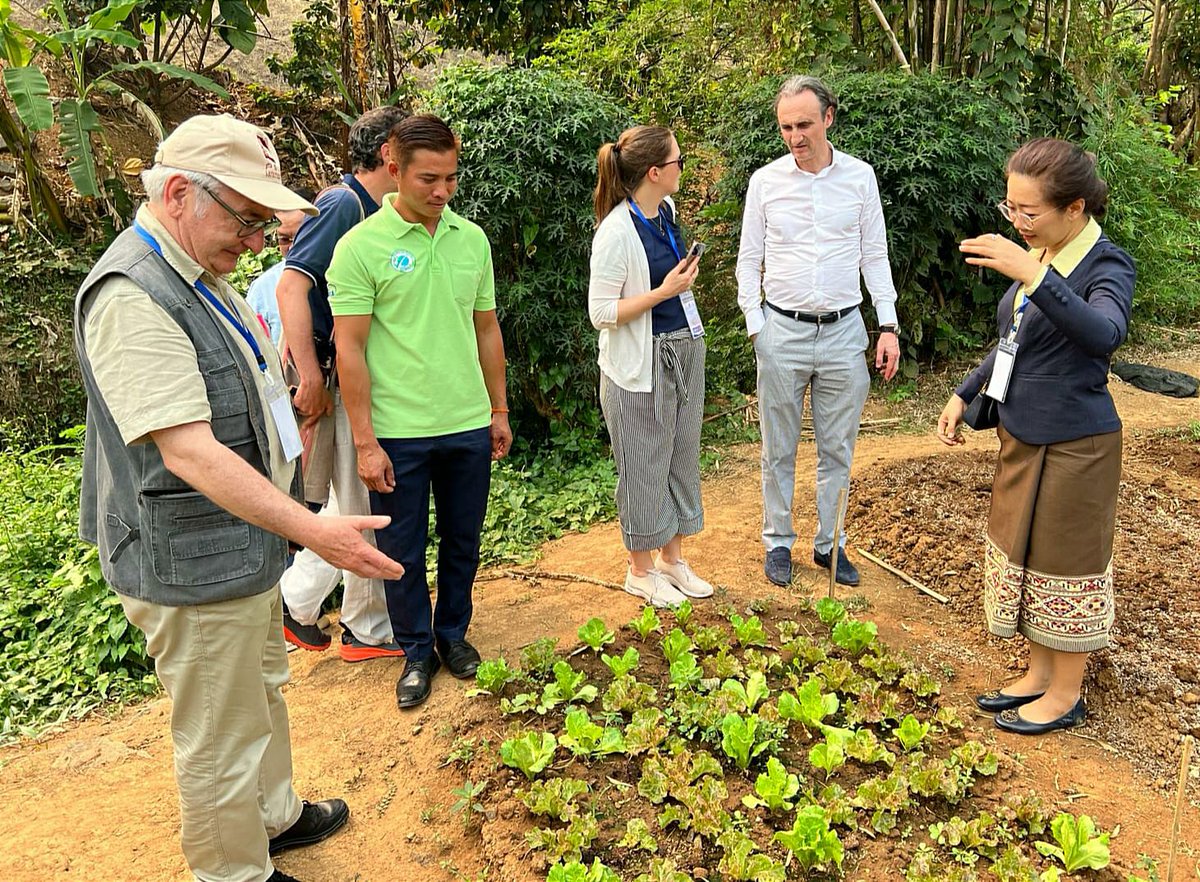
pixel 811 840
pixel 675 644
pixel 1078 844
pixel 646 623
pixel 748 632
pixel 585 738
pixel 809 706
pixel 596 634
pixel 854 636
pixel 739 738
pixel 775 789
pixel 554 798
pixel 637 835
pixel 492 676
pixel 830 611
pixel 578 872
pixel 531 753
pixel 622 664
pixel 911 732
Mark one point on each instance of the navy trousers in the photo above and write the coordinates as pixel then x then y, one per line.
pixel 457 468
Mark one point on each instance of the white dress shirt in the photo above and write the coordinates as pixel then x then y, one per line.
pixel 806 238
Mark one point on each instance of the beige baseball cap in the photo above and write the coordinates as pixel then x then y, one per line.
pixel 236 153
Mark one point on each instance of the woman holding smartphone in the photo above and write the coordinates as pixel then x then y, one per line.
pixel 651 359
pixel 1048 563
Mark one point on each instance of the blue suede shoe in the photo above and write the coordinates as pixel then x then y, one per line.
pixel 778 566
pixel 846 572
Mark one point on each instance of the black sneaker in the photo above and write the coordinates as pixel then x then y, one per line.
pixel 308 637
pixel 317 821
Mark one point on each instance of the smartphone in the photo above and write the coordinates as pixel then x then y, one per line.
pixel 695 252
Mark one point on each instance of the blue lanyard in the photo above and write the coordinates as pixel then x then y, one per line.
pixel 208 295
pixel 656 230
pixel 1017 316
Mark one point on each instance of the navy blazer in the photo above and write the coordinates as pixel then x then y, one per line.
pixel 1071 327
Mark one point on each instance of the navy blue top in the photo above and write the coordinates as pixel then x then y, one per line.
pixel 668 315
pixel 313 249
pixel 1059 386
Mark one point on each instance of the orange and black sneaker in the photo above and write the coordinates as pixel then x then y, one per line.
pixel 354 650
pixel 308 637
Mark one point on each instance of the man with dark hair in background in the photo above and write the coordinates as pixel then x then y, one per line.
pixel 422 362
pixel 330 478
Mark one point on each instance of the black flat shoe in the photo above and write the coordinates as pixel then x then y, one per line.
pixel 995 701
pixel 1012 721
pixel 847 573
pixel 460 657
pixel 416 682
pixel 317 821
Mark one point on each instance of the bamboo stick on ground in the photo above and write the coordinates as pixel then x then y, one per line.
pixel 1184 764
pixel 940 598
pixel 838 523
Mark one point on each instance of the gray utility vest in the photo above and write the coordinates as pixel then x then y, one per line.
pixel 160 540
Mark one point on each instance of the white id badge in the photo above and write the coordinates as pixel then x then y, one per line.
pixel 1006 355
pixel 690 311
pixel 285 419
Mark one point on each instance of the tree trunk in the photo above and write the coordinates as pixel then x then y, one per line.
pixel 883 22
pixel 935 52
pixel 914 53
pixel 1155 37
pixel 856 25
pixel 1066 30
pixel 1047 44
pixel 959 27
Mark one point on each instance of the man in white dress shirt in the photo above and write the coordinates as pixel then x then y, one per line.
pixel 812 224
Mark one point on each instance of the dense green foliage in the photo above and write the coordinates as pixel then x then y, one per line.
pixel 67 643
pixel 528 167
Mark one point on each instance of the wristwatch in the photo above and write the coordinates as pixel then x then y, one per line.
pixel 890 329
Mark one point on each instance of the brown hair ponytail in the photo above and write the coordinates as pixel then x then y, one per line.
pixel 621 166
pixel 1066 173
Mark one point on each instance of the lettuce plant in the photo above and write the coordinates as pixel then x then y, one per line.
pixel 596 634
pixel 647 623
pixel 911 732
pixel 810 840
pixel 742 861
pixel 622 664
pixel 775 789
pixel 554 798
pixel 578 872
pixel 585 738
pixel 830 754
pixel 531 753
pixel 830 611
pixel 748 632
pixel 637 836
pixel 492 676
pixel 750 694
pixel 809 706
pixel 1076 843
pixel 675 644
pixel 739 738
pixel 854 636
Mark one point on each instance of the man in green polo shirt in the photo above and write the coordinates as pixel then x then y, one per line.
pixel 422 370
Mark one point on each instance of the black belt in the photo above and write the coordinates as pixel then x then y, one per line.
pixel 814 318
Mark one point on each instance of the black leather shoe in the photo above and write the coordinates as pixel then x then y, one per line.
pixel 280 876
pixel 1012 721
pixel 416 682
pixel 317 821
pixel 847 574
pixel 460 657
pixel 778 566
pixel 995 701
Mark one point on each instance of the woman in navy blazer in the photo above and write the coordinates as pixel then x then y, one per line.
pixel 1048 563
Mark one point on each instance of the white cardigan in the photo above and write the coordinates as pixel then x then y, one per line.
pixel 620 269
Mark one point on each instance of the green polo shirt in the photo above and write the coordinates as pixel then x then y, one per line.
pixel 421 292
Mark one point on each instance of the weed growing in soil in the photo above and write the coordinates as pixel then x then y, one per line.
pixel 744 749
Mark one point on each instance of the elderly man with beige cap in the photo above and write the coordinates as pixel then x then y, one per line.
pixel 189 489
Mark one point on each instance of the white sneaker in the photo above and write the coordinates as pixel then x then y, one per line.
pixel 683 578
pixel 652 588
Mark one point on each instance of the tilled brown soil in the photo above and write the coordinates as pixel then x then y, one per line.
pixel 929 516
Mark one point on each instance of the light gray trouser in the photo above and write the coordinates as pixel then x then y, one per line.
pixel 309 580
pixel 224 665
pixel 656 443
pixel 828 360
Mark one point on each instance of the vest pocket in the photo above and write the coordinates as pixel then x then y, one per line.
pixel 193 541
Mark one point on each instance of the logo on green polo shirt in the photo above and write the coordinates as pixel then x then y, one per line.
pixel 403 261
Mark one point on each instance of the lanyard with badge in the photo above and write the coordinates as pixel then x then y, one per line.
pixel 277 397
pixel 687 299
pixel 1006 354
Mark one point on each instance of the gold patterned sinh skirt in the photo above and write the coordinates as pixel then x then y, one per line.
pixel 1048 567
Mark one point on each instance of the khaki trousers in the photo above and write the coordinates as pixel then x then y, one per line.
pixel 224 665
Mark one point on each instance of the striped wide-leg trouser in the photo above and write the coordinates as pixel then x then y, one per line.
pixel 656 443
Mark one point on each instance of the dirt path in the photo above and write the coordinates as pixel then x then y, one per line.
pixel 97 802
